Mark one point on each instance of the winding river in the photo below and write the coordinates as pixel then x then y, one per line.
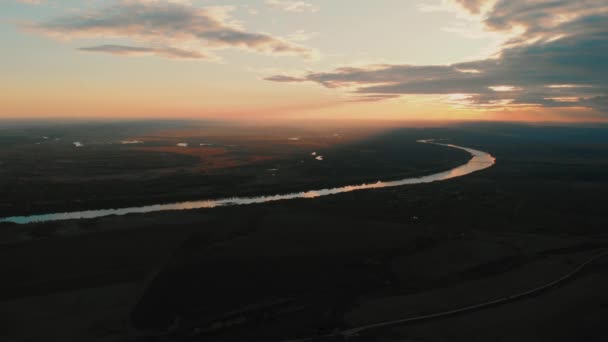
pixel 480 160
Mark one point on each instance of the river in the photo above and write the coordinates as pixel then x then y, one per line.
pixel 480 160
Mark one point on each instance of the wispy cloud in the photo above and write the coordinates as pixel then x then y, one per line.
pixel 167 52
pixel 474 6
pixel 560 53
pixel 286 79
pixel 293 5
pixel 166 28
pixel 31 2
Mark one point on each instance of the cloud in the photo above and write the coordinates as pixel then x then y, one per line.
pixel 31 2
pixel 558 60
pixel 293 5
pixel 167 52
pixel 285 79
pixel 473 6
pixel 373 97
pixel 178 26
pixel 544 19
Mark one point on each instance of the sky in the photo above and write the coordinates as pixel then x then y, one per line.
pixel 507 60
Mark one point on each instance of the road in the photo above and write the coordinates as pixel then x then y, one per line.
pixel 353 332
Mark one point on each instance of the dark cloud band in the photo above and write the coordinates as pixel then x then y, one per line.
pixel 553 63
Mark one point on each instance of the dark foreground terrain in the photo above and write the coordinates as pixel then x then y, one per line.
pixel 308 268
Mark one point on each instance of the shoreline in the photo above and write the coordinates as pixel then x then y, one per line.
pixel 480 160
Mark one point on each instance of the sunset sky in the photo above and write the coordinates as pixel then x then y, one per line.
pixel 531 60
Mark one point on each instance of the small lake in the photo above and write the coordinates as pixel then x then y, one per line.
pixel 480 160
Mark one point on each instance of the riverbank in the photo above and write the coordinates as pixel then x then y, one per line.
pixel 479 161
